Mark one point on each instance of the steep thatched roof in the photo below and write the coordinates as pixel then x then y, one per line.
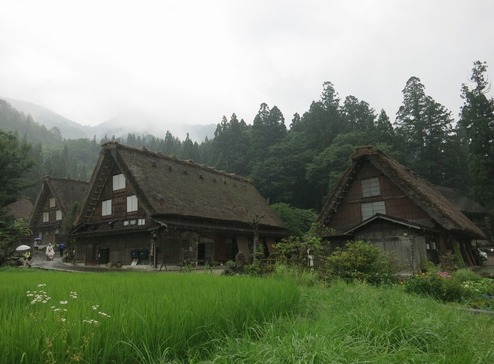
pixel 170 187
pixel 21 209
pixel 462 202
pixel 66 192
pixel 423 193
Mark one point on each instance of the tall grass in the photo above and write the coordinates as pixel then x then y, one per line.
pixel 355 323
pixel 57 317
pixel 165 318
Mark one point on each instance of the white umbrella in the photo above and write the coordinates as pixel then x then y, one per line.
pixel 22 248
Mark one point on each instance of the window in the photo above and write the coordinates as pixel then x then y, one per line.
pixel 118 182
pixel 141 222
pixel 372 208
pixel 131 203
pixel 370 187
pixel 46 216
pixel 106 208
pixel 58 215
pixel 52 202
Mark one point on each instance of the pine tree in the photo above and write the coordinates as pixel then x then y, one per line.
pixel 477 123
pixel 423 126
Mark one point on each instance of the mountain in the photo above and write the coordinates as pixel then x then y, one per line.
pixel 138 124
pixel 68 128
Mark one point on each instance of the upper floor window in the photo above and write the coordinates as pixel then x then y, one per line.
pixel 370 187
pixel 131 203
pixel 46 216
pixel 372 208
pixel 118 182
pixel 106 208
pixel 58 215
pixel 52 202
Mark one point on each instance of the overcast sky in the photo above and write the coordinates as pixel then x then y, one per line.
pixel 192 62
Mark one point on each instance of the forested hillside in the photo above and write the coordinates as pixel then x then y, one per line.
pixel 297 162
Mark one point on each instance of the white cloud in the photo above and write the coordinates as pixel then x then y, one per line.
pixel 195 61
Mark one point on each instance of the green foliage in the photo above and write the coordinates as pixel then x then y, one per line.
pixel 297 250
pixel 424 127
pixel 477 125
pixel 94 318
pixel 360 261
pixel 447 262
pixel 11 232
pixel 439 286
pixel 230 146
pixel 358 323
pixel 463 275
pixel 15 162
pixel 297 221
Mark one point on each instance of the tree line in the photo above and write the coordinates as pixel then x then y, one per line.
pixel 299 163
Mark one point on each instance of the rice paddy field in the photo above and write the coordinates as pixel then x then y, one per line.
pixel 60 317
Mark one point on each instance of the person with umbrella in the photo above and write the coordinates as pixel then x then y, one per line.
pixel 50 252
pixel 27 257
pixel 26 253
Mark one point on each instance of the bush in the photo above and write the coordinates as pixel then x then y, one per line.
pixel 361 261
pixel 439 286
pixel 463 275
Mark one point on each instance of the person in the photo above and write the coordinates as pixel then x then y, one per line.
pixel 36 245
pixel 27 257
pixel 50 252
pixel 61 247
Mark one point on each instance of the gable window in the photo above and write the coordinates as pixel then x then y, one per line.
pixel 370 187
pixel 131 203
pixel 46 216
pixel 58 215
pixel 372 208
pixel 118 182
pixel 52 202
pixel 106 208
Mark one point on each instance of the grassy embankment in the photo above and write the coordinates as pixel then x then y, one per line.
pixel 162 318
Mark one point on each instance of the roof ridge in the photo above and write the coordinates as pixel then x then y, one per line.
pixel 65 179
pixel 185 162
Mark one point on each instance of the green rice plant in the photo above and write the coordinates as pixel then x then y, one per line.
pixel 358 323
pixel 128 317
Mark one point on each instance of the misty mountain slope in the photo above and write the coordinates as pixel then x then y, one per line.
pixel 121 126
pixel 68 128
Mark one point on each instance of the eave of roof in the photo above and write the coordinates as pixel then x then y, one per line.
pixel 391 219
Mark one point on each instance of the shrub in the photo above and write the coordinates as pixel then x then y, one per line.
pixel 439 286
pixel 447 262
pixel 295 250
pixel 363 262
pixel 463 275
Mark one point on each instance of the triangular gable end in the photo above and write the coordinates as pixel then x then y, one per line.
pixel 417 190
pixel 109 168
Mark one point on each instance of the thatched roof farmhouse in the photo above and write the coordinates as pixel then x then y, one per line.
pixel 382 201
pixel 54 203
pixel 147 208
